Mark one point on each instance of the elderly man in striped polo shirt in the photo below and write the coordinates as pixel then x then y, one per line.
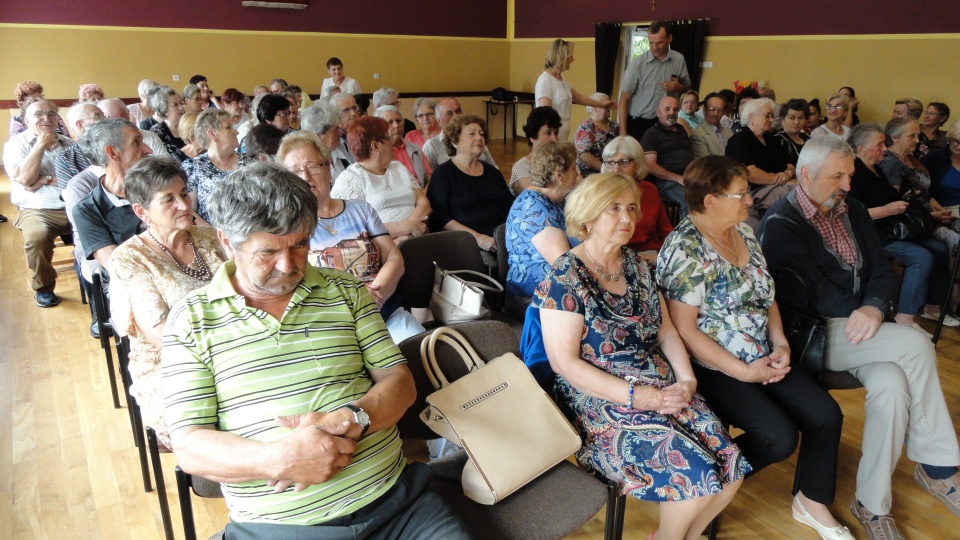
pixel 283 383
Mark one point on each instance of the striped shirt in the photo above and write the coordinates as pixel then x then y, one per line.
pixel 235 367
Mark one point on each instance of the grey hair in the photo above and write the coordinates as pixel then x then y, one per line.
pixel 209 119
pixel 816 151
pixel 158 99
pixel 254 105
pixel 104 103
pixel 752 108
pixel 896 126
pixel 143 89
pixel 190 90
pixel 861 132
pixel 384 108
pixel 382 94
pixel 263 197
pixel 95 139
pixel 549 159
pixel 429 102
pixel 148 176
pixel 320 117
pixel 596 96
pixel 335 98
pixel 629 146
pixel 77 113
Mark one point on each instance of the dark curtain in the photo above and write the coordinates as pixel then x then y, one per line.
pixel 688 40
pixel 606 48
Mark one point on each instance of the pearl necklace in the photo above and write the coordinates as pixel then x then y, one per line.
pixel 736 255
pixel 202 272
pixel 598 269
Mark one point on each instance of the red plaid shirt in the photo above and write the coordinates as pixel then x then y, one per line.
pixel 830 226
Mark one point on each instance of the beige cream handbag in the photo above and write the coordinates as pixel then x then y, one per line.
pixel 509 427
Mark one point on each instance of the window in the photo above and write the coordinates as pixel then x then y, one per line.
pixel 635 43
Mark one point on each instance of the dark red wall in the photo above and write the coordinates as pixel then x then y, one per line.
pixel 575 18
pixel 412 17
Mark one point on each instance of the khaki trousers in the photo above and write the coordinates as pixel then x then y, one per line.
pixel 905 403
pixel 40 228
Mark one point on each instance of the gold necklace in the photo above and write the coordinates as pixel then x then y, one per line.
pixel 598 269
pixel 736 255
pixel 325 223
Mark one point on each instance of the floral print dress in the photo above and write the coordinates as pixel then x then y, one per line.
pixel 652 456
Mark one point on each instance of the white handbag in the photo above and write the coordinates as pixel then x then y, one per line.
pixel 456 300
pixel 510 428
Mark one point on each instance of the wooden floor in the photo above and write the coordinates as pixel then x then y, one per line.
pixel 69 470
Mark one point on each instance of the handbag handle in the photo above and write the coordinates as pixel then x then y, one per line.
pixel 459 343
pixel 494 286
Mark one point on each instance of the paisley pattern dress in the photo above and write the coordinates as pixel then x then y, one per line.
pixel 653 456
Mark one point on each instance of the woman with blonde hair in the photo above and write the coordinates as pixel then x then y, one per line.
pixel 187 122
pixel 553 90
pixel 837 106
pixel 623 376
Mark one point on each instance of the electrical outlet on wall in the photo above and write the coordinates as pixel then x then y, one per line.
pixel 706 64
pixel 376 75
pixel 176 77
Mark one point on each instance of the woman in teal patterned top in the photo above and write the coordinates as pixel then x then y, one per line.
pixel 721 296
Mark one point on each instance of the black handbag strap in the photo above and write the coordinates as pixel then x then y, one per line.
pixel 809 294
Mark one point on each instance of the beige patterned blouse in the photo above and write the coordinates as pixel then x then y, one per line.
pixel 144 285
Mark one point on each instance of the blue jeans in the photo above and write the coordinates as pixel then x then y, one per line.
pixel 926 274
pixel 671 191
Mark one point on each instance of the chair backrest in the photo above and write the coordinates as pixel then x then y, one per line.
pixel 202 487
pixel 490 339
pixel 500 239
pixel 452 250
pixel 673 212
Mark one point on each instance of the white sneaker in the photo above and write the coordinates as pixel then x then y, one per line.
pixel 920 329
pixel 948 320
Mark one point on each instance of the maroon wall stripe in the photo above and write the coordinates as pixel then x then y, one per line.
pixel 575 18
pixel 419 17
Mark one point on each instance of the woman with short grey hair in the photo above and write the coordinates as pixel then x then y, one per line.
pixel 215 132
pixel 324 120
pixel 141 111
pixel 406 152
pixel 425 111
pixel 192 99
pixel 152 271
pixel 167 105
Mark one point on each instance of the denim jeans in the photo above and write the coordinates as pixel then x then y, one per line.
pixel 926 274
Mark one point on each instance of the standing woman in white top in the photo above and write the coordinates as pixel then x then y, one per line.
pixel 338 79
pixel 837 107
pixel 554 91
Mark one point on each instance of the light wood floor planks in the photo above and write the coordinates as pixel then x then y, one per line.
pixel 69 470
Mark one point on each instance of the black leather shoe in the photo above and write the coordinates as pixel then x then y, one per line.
pixel 95 330
pixel 47 299
pixel 3 218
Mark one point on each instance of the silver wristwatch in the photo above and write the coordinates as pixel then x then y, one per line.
pixel 360 417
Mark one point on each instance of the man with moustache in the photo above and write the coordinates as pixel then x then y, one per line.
pixel 830 244
pixel 711 136
pixel 667 152
pixel 29 160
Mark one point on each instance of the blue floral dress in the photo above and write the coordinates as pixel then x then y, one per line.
pixel 653 457
pixel 531 213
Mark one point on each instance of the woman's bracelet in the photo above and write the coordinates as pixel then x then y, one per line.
pixel 632 382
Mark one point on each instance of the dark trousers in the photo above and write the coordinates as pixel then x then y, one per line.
pixel 637 126
pixel 772 415
pixel 408 510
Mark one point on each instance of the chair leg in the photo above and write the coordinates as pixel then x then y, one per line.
pixel 161 485
pixel 97 299
pixel 186 505
pixel 714 528
pixel 616 504
pixel 946 301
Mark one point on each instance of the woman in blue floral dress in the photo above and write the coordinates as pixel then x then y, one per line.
pixel 721 298
pixel 623 376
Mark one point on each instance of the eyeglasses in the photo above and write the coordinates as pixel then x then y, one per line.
pixel 421 116
pixel 714 109
pixel 312 170
pixel 770 115
pixel 739 196
pixel 834 107
pixel 41 114
pixel 285 114
pixel 348 109
pixel 613 162
pixel 955 142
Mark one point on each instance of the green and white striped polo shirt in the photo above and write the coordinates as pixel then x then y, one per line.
pixel 238 368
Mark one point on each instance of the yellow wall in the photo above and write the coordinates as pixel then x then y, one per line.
pixel 63 57
pixel 880 68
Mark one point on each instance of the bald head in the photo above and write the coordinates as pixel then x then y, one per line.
pixel 82 115
pixel 447 109
pixel 114 108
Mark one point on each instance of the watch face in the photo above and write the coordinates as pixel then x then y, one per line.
pixel 362 417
